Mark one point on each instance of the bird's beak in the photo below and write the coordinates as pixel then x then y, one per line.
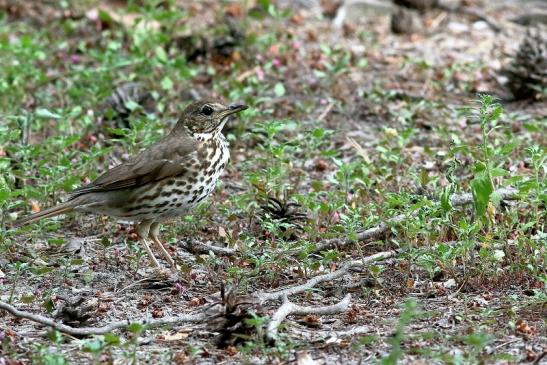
pixel 234 108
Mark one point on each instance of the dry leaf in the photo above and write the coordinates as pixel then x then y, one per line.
pixel 125 19
pixel 360 151
pixel 304 358
pixel 222 232
pixel 35 206
pixel 174 337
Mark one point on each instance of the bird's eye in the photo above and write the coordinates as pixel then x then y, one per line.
pixel 207 110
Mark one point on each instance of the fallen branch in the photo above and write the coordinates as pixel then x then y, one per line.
pixel 325 112
pixel 86 331
pixel 288 308
pixel 366 235
pixel 475 13
pixel 201 248
pixel 265 297
pixel 382 228
pixel 359 330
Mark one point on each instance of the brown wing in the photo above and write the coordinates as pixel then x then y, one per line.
pixel 168 157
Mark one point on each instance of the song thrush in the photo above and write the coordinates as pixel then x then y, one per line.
pixel 162 182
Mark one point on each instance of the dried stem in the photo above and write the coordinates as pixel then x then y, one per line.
pixel 265 297
pixel 288 308
pixel 382 228
pixel 86 331
pixel 204 248
pixel 366 235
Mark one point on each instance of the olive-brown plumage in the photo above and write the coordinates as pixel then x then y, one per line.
pixel 162 182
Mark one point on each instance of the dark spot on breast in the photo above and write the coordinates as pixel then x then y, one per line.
pixel 161 205
pixel 139 207
pixel 202 152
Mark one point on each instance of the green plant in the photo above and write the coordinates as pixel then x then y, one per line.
pixel 408 313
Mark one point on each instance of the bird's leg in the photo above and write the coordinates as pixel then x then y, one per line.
pixel 143 229
pixel 154 233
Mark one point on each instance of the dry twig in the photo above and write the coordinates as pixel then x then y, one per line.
pixel 288 308
pixel 86 331
pixel 366 235
pixel 379 230
pixel 265 297
pixel 204 248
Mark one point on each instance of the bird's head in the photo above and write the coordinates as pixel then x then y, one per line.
pixel 204 119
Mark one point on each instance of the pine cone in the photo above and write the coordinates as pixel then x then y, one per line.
pixel 228 316
pixel 527 73
pixel 421 5
pixel 285 212
pixel 406 21
pixel 121 99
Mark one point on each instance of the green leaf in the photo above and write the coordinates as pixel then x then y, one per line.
pixel 27 299
pixel 508 148
pixel 4 195
pixel 496 113
pixel 498 171
pixel 279 89
pixel 265 4
pixel 318 133
pixel 161 55
pixel 482 188
pixel 55 336
pixel 46 114
pixel 530 127
pixel 117 131
pixel 41 270
pixel 166 83
pixel 446 205
pixel 135 328
pixel 111 339
pixel 5 163
pixel 131 105
pixel 48 305
pixel 105 17
pixel 93 346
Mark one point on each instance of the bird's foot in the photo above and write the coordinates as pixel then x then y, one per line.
pixel 165 253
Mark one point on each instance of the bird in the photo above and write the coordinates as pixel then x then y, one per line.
pixel 163 182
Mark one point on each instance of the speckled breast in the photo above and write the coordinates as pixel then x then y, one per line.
pixel 174 196
pixel 196 185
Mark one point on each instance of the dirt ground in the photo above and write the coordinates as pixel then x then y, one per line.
pixel 399 312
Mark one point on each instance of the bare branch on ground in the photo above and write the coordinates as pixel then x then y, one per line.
pixel 382 228
pixel 86 331
pixel 288 308
pixel 366 235
pixel 268 296
pixel 204 248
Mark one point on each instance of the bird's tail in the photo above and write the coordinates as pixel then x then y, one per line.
pixel 50 212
